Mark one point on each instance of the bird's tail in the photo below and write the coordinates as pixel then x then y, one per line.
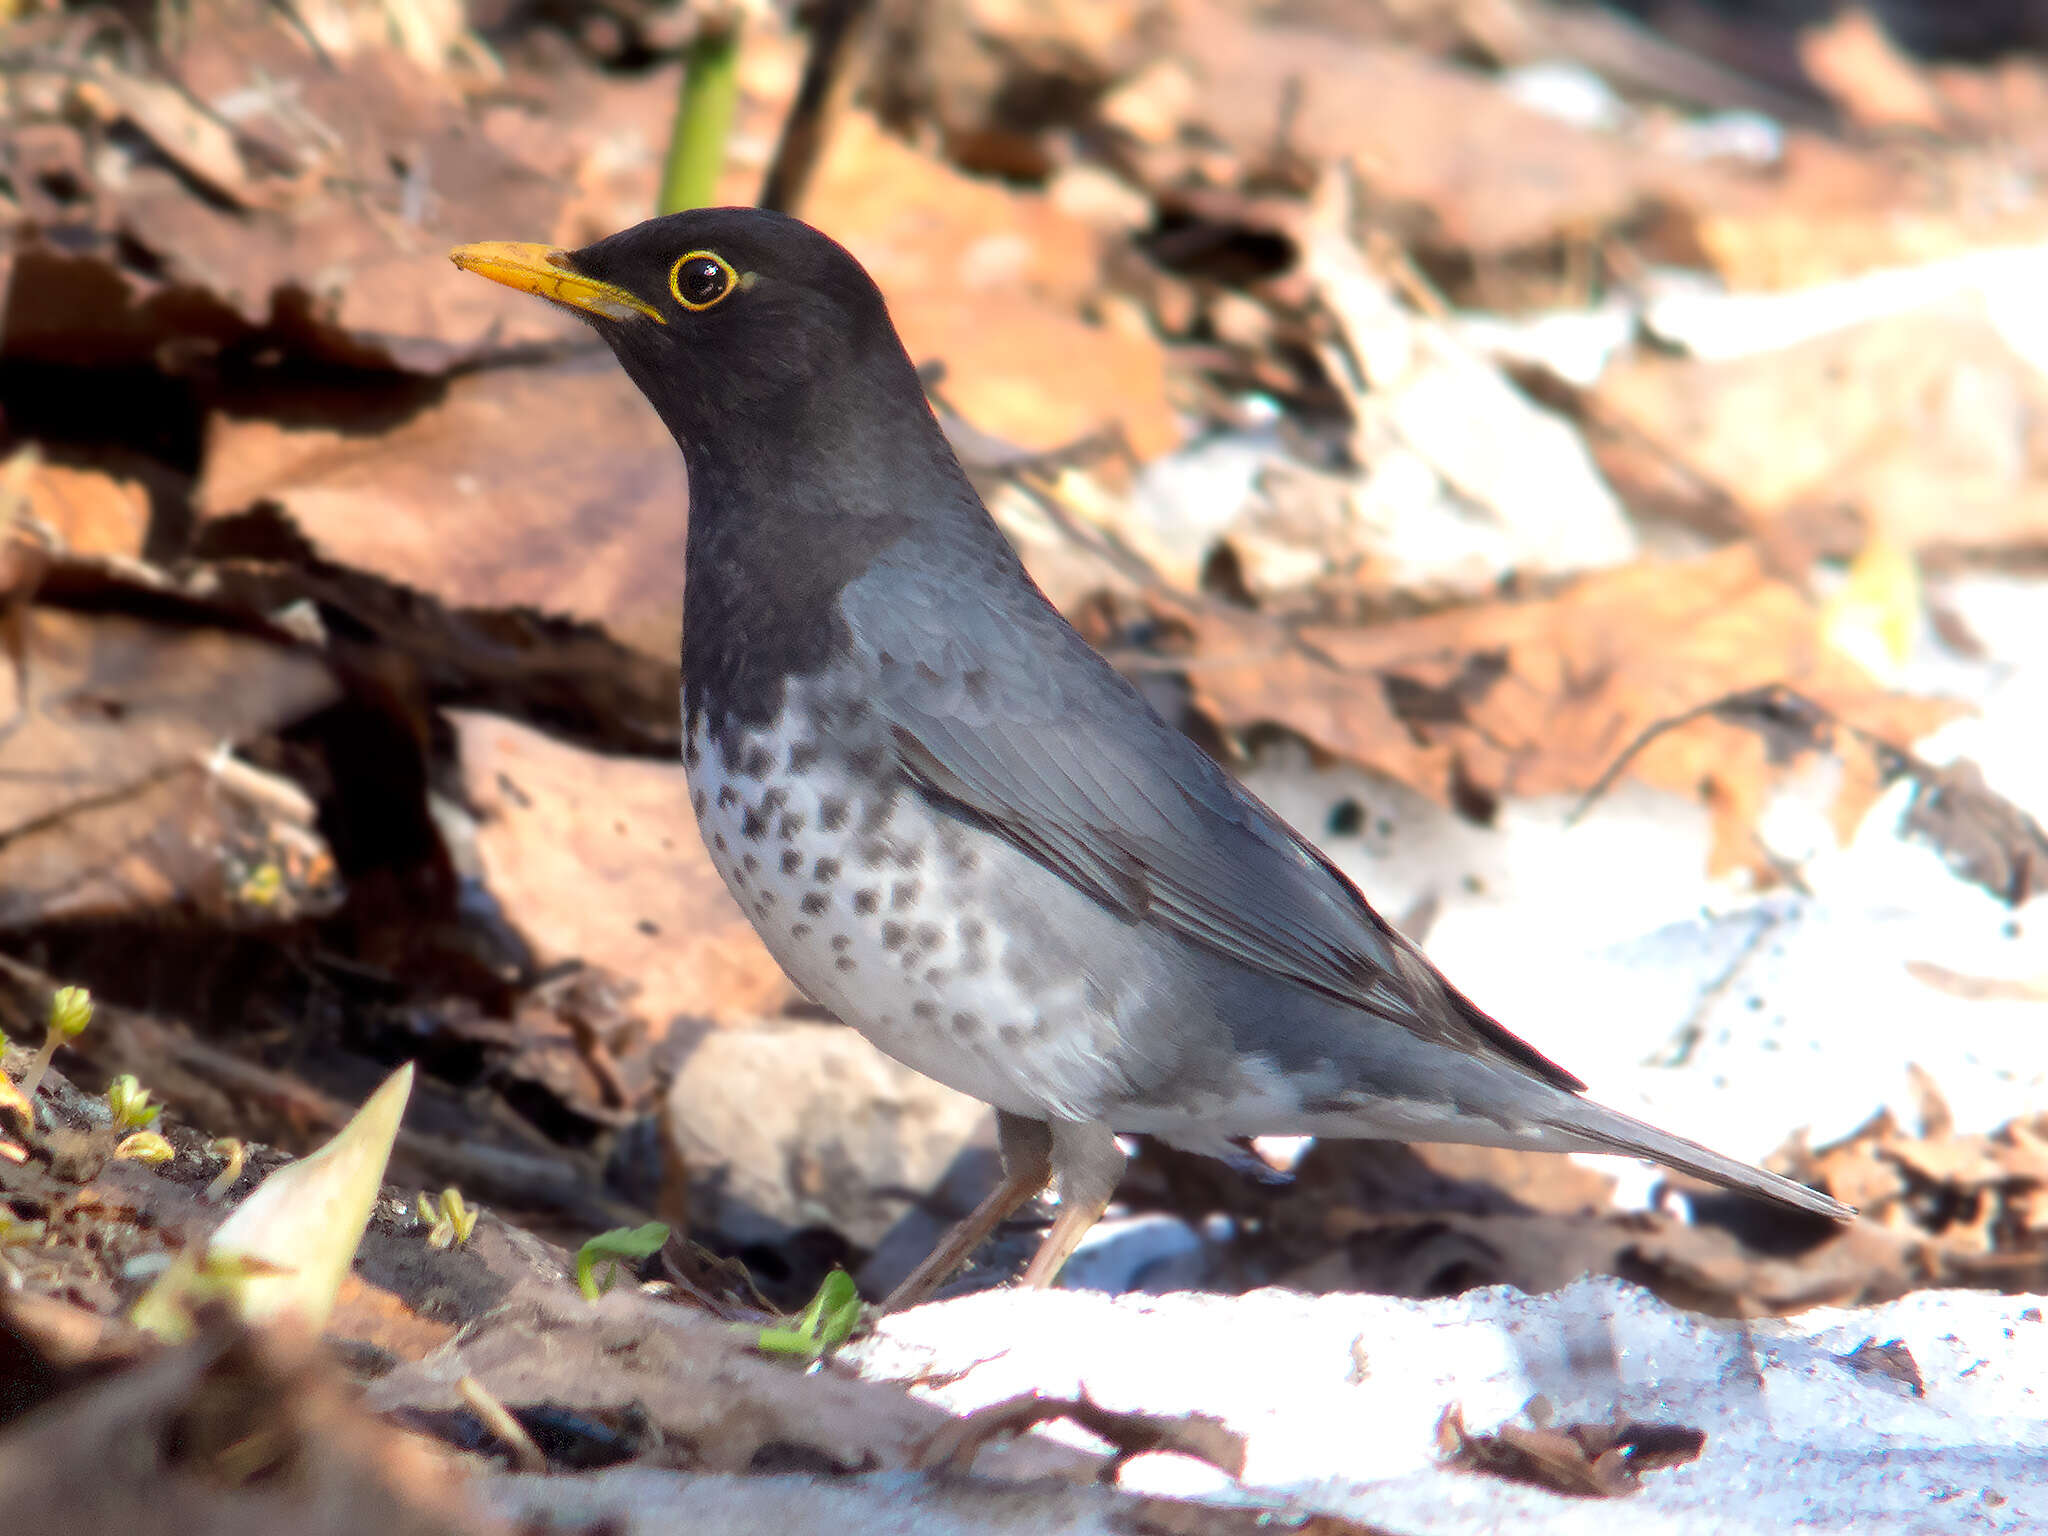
pixel 1601 1129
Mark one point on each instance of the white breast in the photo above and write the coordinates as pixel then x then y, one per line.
pixel 875 907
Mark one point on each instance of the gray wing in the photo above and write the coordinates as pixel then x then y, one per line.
pixel 1068 762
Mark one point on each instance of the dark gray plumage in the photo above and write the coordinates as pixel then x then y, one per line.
pixel 956 825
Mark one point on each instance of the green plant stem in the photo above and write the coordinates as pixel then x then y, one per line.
pixel 704 112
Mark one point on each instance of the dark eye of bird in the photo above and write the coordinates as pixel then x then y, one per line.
pixel 700 279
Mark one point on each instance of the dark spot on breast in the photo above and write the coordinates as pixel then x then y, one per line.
pixel 773 801
pixel 886 658
pixel 825 871
pixel 763 900
pixel 866 899
pixel 877 814
pixel 865 762
pixel 756 761
pixel 875 853
pixel 691 753
pixel 930 935
pixel 903 895
pixel 698 802
pixel 816 903
pixel 972 929
pixel 727 796
pixel 792 823
pixel 924 1009
pixel 753 825
pixel 803 755
pixel 832 812
pixel 965 860
pixel 936 976
pixel 792 861
pixel 718 841
pixel 1018 967
pixel 844 962
pixel 750 864
pixel 739 878
pixel 840 943
pixel 975 682
pixel 799 930
pixel 965 1023
pixel 893 935
pixel 1011 1034
pixel 929 674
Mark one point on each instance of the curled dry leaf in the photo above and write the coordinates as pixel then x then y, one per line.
pixel 1200 1435
pixel 1589 1460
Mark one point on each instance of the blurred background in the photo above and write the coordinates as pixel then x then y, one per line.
pixel 1585 464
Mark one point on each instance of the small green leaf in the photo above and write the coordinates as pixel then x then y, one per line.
pixel 129 1101
pixel 610 1247
pixel 826 1323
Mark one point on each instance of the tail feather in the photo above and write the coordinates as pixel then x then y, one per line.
pixel 1608 1130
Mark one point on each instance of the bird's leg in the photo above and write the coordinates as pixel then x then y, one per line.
pixel 1027 1149
pixel 1088 1162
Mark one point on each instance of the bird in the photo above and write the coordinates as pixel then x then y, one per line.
pixel 956 826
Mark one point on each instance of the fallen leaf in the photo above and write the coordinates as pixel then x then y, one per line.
pixel 554 488
pixel 105 803
pixel 1853 60
pixel 1926 424
pixel 91 513
pixel 599 859
pixel 1590 1460
pixel 1586 672
pixel 992 282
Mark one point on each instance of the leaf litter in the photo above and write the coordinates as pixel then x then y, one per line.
pixel 308 677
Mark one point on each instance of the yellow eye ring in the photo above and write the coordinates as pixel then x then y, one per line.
pixel 700 279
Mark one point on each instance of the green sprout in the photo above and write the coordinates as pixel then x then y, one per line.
pixel 824 1325
pixel 449 1220
pixel 608 1248
pixel 703 121
pixel 70 1012
pixel 129 1101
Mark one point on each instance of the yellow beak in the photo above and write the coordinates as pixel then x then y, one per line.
pixel 543 270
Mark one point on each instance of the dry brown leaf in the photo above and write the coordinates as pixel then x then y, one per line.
pixel 991 282
pixel 370 167
pixel 1471 168
pixel 1200 1435
pixel 1831 210
pixel 91 513
pixel 1538 697
pixel 106 805
pixel 555 488
pixel 1602 1461
pixel 598 859
pixel 1928 424
pixel 1853 60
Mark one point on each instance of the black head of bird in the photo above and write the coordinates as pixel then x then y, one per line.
pixel 751 333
